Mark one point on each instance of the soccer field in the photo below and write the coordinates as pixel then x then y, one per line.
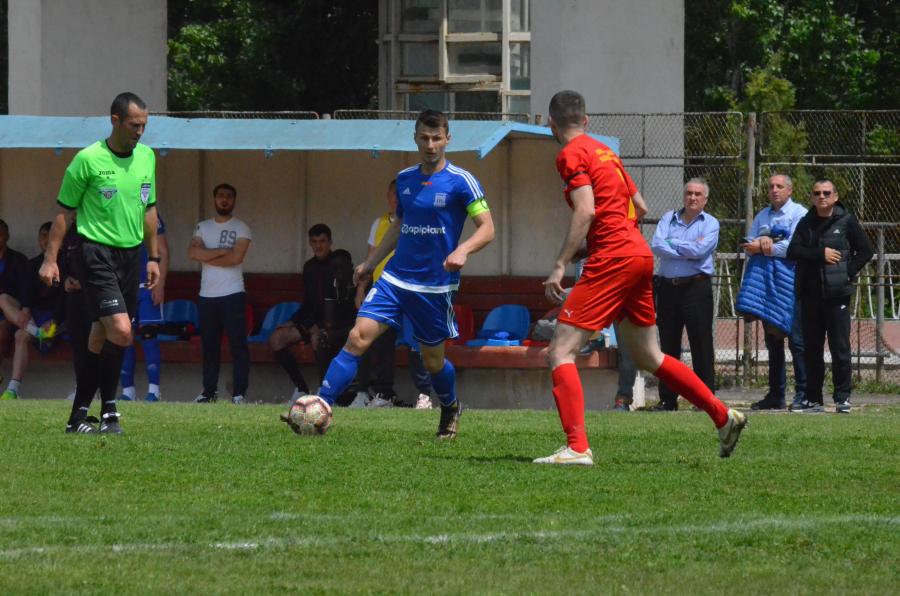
pixel 226 500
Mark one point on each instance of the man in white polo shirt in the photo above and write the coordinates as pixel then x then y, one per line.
pixel 220 244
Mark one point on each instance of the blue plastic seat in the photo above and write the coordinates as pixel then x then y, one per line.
pixel 178 311
pixel 277 315
pixel 506 325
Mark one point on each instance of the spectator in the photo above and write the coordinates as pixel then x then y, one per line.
pixel 830 249
pixel 306 323
pixel 35 309
pixel 383 349
pixel 767 291
pixel 221 244
pixel 684 242
pixel 147 323
pixel 338 319
pixel 12 269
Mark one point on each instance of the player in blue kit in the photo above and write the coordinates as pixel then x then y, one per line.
pixel 435 197
pixel 147 323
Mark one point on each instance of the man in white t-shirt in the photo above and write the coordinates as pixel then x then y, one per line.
pixel 220 245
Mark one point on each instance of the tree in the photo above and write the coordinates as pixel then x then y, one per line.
pixel 273 55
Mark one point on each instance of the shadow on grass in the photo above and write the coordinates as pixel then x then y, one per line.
pixel 487 460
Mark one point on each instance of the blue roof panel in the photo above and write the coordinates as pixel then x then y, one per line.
pixel 268 135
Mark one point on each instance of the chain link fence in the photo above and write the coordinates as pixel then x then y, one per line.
pixel 403 115
pixel 856 150
pixel 234 115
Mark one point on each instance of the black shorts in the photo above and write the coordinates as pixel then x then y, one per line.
pixel 110 278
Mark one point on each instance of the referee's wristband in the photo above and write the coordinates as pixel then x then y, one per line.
pixel 153 259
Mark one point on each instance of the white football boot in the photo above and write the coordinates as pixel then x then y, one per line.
pixel 379 401
pixel 360 401
pixel 424 402
pixel 565 456
pixel 731 432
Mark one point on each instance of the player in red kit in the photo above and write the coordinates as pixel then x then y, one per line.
pixel 616 283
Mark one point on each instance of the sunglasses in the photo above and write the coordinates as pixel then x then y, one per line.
pixel 822 193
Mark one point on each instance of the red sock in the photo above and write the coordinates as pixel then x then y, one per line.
pixel 685 383
pixel 569 398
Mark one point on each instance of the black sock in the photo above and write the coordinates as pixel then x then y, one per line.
pixel 111 358
pixel 286 359
pixel 87 381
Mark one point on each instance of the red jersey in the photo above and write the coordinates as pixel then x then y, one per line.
pixel 614 231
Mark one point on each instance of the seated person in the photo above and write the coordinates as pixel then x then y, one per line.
pixel 305 324
pixel 12 268
pixel 339 319
pixel 34 309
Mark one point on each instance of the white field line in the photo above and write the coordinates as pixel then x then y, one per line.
pixel 462 538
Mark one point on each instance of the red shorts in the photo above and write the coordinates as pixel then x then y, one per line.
pixel 611 289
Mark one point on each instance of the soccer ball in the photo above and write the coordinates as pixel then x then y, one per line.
pixel 310 415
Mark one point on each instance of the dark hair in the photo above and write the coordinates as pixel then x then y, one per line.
pixel 393 183
pixel 567 109
pixel 45 226
pixel 824 181
pixel 318 230
pixel 341 254
pixel 433 119
pixel 122 102
pixel 224 187
pixel 4 225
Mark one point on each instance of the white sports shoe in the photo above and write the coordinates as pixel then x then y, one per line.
pixel 379 402
pixel 731 432
pixel 567 457
pixel 424 402
pixel 361 400
pixel 71 396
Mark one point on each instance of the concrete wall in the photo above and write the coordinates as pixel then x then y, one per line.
pixel 622 56
pixel 280 197
pixel 72 57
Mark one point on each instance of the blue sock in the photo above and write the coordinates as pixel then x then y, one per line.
pixel 154 359
pixel 444 382
pixel 127 374
pixel 340 375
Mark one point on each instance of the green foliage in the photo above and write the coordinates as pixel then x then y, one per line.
pixel 883 141
pixel 835 54
pixel 225 500
pixel 277 55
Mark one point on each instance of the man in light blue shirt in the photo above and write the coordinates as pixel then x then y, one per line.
pixel 684 242
pixel 770 235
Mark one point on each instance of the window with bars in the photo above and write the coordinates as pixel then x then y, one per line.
pixel 456 55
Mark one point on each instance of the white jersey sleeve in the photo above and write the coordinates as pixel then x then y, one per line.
pixel 373 232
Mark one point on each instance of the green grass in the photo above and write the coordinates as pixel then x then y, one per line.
pixel 225 500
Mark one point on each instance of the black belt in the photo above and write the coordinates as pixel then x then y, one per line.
pixel 680 281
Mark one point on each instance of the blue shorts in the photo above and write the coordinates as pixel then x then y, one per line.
pixel 431 315
pixel 147 314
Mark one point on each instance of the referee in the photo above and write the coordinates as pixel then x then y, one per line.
pixel 112 185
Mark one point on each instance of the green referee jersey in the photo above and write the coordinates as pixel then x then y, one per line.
pixel 111 193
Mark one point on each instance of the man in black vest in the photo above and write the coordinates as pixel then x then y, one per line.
pixel 830 248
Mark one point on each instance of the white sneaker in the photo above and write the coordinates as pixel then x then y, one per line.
pixel 238 400
pixel 297 394
pixel 566 456
pixel 71 396
pixel 731 432
pixel 424 402
pixel 380 402
pixel 360 401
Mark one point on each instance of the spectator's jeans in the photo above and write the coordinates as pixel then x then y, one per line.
pixel 831 316
pixel 383 351
pixel 777 365
pixel 228 314
pixel 688 306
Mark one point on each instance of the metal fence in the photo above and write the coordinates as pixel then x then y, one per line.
pixel 856 150
pixel 234 115
pixel 402 115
